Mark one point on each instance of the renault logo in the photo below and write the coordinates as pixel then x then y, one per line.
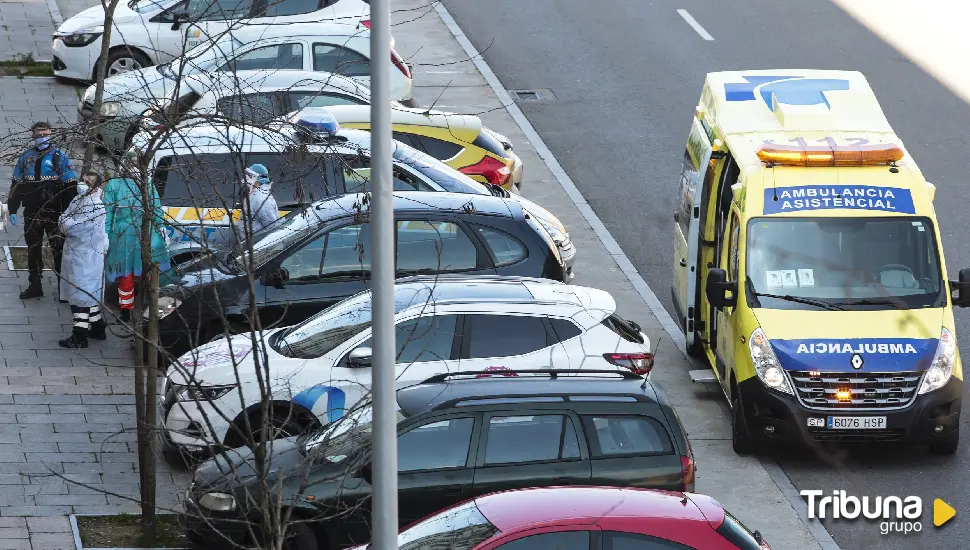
pixel 856 361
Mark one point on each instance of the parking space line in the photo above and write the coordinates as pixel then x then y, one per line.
pixel 695 25
pixel 816 530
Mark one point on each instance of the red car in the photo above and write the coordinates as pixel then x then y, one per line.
pixel 582 518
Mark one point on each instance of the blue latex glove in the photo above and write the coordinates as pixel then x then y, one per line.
pixel 13 219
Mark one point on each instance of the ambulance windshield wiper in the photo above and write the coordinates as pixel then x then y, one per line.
pixel 873 302
pixel 797 299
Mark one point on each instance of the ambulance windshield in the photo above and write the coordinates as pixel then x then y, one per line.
pixel 843 263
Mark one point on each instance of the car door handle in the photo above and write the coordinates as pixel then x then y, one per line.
pixel 453 491
pixel 683 262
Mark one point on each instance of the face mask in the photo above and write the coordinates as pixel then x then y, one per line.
pixel 41 142
pixel 82 188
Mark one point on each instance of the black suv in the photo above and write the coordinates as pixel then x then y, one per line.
pixel 311 259
pixel 460 435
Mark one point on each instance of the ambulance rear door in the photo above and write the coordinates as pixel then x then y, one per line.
pixel 687 230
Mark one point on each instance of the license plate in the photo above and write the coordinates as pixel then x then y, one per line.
pixel 856 423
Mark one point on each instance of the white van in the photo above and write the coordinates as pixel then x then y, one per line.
pixel 148 32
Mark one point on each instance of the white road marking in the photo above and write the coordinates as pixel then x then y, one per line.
pixel 673 329
pixel 695 25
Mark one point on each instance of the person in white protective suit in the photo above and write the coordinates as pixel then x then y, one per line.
pixel 82 270
pixel 259 208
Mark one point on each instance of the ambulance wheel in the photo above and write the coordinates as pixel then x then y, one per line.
pixel 740 439
pixel 696 350
pixel 946 446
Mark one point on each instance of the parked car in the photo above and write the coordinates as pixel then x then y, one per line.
pixel 148 32
pixel 583 518
pixel 445 324
pixel 199 167
pixel 323 47
pixel 252 97
pixel 460 141
pixel 461 436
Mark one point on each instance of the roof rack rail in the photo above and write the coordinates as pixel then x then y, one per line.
pixel 552 373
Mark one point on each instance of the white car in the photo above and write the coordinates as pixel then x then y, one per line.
pixel 148 32
pixel 326 47
pixel 321 367
pixel 254 97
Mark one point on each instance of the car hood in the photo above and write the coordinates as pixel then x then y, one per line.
pixel 239 465
pixel 195 274
pixel 894 340
pixel 94 17
pixel 217 362
pixel 540 212
pixel 146 86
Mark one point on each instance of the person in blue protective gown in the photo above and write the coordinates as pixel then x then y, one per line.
pixel 123 203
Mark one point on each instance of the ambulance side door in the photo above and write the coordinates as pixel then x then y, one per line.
pixel 687 232
pixel 728 323
pixel 722 174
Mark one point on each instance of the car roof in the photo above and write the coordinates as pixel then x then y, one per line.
pixel 312 30
pixel 416 201
pixel 465 127
pixel 509 510
pixel 267 80
pixel 589 385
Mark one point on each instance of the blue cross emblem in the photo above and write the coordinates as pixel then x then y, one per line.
pixel 790 90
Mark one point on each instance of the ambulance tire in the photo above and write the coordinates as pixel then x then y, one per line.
pixel 696 350
pixel 947 446
pixel 740 439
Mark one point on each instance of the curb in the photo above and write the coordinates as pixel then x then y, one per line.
pixel 77 536
pixel 817 531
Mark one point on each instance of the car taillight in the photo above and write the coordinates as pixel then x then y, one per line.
pixel 639 363
pixel 400 64
pixel 687 474
pixel 493 170
pixel 366 23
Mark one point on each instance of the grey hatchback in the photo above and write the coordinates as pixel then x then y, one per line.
pixel 460 435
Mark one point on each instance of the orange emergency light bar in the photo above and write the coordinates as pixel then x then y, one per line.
pixel 838 155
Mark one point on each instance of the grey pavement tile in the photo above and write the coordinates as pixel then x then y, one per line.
pixel 22 389
pixel 10 499
pixel 12 479
pixel 73 480
pixel 19 544
pixel 23 408
pixel 81 389
pixel 22 428
pixel 108 399
pixel 7 533
pixel 49 525
pixel 52 541
pixel 20 371
pixel 105 458
pixel 107 510
pixel 98 448
pixel 59 488
pixel 44 511
pixel 60 457
pixel 13 522
pixel 110 490
pixel 50 418
pixel 12 457
pixel 71 437
pixel 70 500
pixel 30 447
pixel 30 468
pixel 6 438
pixel 89 427
pixel 48 399
pixel 107 468
pixel 91 409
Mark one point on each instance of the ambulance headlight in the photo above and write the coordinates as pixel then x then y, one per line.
pixel 941 369
pixel 766 363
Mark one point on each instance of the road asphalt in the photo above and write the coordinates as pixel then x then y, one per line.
pixel 624 77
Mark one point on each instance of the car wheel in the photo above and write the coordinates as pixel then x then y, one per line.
pixel 284 424
pixel 946 446
pixel 123 60
pixel 740 439
pixel 299 536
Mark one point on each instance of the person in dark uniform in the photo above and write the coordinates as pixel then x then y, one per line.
pixel 44 182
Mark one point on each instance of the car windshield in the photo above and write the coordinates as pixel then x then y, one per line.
pixel 200 58
pixel 459 528
pixel 447 177
pixel 335 325
pixel 345 437
pixel 843 263
pixel 276 237
pixel 145 6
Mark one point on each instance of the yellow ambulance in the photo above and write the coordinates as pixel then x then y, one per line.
pixel 808 267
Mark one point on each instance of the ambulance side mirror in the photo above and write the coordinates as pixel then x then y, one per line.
pixel 961 289
pixel 718 288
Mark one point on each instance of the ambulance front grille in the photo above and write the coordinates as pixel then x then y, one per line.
pixel 886 390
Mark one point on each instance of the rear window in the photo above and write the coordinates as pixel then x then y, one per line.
pixel 737 534
pixel 215 180
pixel 617 435
pixel 490 144
pixel 624 328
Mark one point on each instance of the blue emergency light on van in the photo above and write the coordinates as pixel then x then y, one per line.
pixel 317 120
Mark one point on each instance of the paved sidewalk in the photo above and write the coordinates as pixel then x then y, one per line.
pixel 26 28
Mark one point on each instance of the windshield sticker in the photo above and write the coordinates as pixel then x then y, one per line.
pixel 837 355
pixel 832 197
pixel 788 279
pixel 806 277
pixel 774 279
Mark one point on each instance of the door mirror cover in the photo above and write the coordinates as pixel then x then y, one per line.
pixel 360 358
pixel 960 290
pixel 718 287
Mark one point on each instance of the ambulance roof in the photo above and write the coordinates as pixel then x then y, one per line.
pixel 747 109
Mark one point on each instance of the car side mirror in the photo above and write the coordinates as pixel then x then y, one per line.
pixel 960 290
pixel 359 358
pixel 366 473
pixel 718 288
pixel 179 17
pixel 276 278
